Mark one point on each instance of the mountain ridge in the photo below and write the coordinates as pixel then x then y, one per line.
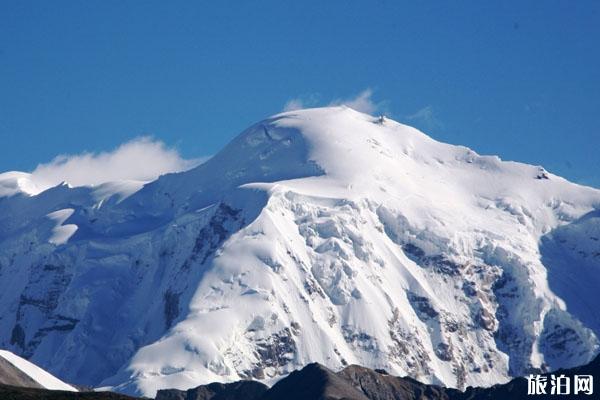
pixel 16 371
pixel 316 382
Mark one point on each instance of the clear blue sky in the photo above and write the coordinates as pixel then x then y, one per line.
pixel 519 79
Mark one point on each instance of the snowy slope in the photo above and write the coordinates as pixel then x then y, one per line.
pixel 321 235
pixel 34 372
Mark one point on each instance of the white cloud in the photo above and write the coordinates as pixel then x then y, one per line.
pixel 141 159
pixel 426 116
pixel 294 104
pixel 363 102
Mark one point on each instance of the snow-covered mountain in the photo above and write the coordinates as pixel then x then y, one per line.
pixel 16 371
pixel 321 235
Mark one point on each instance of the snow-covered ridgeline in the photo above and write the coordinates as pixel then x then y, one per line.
pixel 34 372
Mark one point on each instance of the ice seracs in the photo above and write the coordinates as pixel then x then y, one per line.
pixel 319 235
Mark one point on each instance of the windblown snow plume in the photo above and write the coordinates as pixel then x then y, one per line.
pixel 362 102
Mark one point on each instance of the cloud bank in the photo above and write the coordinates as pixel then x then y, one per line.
pixel 141 159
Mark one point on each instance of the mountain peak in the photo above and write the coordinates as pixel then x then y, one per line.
pixel 321 235
pixel 313 382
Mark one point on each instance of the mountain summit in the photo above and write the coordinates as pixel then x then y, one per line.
pixel 321 235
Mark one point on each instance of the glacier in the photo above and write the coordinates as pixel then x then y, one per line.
pixel 321 235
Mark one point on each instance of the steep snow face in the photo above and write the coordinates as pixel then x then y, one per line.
pixel 321 235
pixel 34 372
pixel 571 254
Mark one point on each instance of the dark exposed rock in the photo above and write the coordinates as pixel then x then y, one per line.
pixel 316 382
pixel 359 339
pixel 377 386
pixel 442 264
pixel 242 390
pixel 444 351
pixel 451 325
pixel 41 295
pixel 11 375
pixel 542 174
pixel 469 289
pixel 17 336
pixel 422 307
pixel 412 250
pixel 277 349
pixel 171 307
pixel 486 320
pixel 313 382
pixel 438 263
pixel 224 221
pixel 23 393
pixel 295 327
